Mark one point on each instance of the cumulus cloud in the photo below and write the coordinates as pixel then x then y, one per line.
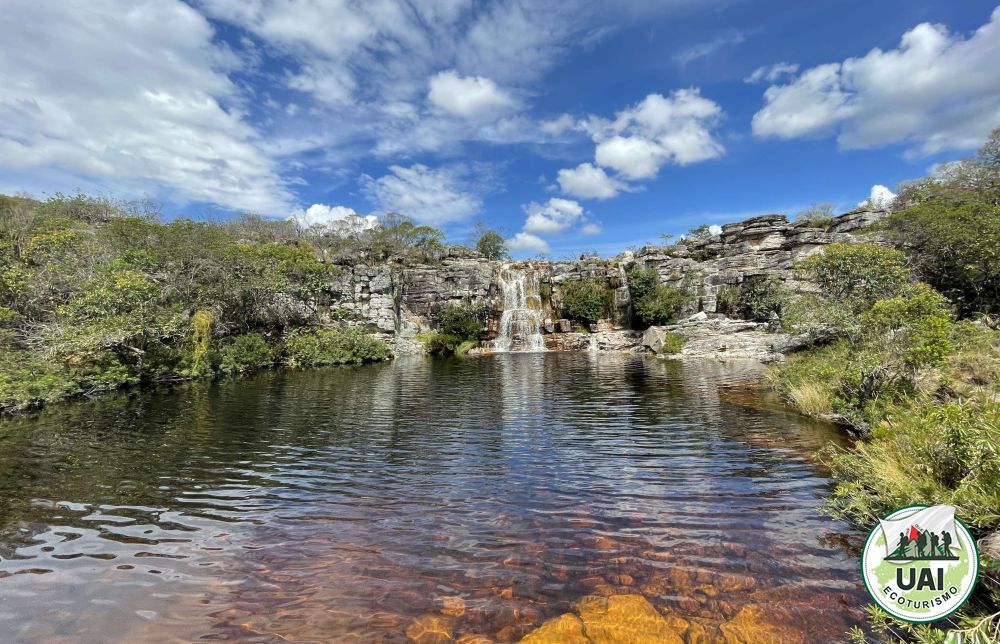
pixel 526 242
pixel 879 197
pixel 334 217
pixel 150 109
pixel 591 229
pixel 468 96
pixel 935 91
pixel 771 73
pixel 427 195
pixel 555 216
pixel 588 181
pixel 656 131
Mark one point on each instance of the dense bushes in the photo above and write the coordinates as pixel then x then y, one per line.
pixel 322 347
pixel 653 303
pixel 460 328
pixel 955 247
pixel 760 297
pixel 97 294
pixel 586 300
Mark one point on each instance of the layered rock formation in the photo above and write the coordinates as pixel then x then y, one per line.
pixel 403 302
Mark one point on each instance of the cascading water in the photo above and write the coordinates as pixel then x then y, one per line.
pixel 521 320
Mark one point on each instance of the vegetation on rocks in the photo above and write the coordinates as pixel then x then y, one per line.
pixel 586 300
pixel 97 294
pixel 909 354
pixel 654 303
pixel 460 329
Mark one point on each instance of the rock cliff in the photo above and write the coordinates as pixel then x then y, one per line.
pixel 403 302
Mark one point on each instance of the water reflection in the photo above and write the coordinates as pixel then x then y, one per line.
pixel 348 503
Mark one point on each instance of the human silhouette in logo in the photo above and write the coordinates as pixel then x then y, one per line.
pixel 904 543
pixel 934 544
pixel 921 543
pixel 946 546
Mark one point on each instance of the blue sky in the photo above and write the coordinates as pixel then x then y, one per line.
pixel 570 127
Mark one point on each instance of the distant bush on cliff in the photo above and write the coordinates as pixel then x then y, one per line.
pixel 653 303
pixel 586 300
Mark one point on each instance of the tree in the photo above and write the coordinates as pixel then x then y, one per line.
pixel 492 246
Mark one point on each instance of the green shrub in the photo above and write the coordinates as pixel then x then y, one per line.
pixel 955 247
pixel 857 273
pixel 653 303
pixel 465 321
pixel 346 345
pixel 587 300
pixel 442 344
pixel 759 296
pixel 246 353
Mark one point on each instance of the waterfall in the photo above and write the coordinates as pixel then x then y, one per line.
pixel 521 320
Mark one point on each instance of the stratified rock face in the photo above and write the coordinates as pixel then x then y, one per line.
pixel 766 245
pixel 401 302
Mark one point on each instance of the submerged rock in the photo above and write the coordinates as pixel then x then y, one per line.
pixel 617 619
pixel 786 623
pixel 431 629
pixel 565 629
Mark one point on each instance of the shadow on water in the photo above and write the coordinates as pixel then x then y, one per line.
pixel 346 503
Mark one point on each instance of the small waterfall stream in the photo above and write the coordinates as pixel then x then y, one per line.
pixel 521 320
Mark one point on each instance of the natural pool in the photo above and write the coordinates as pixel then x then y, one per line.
pixel 476 497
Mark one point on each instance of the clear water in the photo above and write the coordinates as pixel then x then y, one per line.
pixel 343 504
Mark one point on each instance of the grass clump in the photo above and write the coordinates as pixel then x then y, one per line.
pixel 673 343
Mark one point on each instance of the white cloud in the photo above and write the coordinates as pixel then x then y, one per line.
pixel 132 95
pixel 557 126
pixel 431 196
pixel 334 217
pixel 656 131
pixel 591 229
pixel 526 242
pixel 588 182
pixel 880 197
pixel 703 50
pixel 468 96
pixel 936 91
pixel 771 73
pixel 555 216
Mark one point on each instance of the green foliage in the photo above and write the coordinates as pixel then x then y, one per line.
pixel 465 322
pixel 102 295
pixel 673 343
pixel 955 247
pixel 587 300
pixel 245 353
pixel 652 302
pixel 322 347
pixel 442 344
pixel 859 273
pixel 492 246
pixel 759 296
